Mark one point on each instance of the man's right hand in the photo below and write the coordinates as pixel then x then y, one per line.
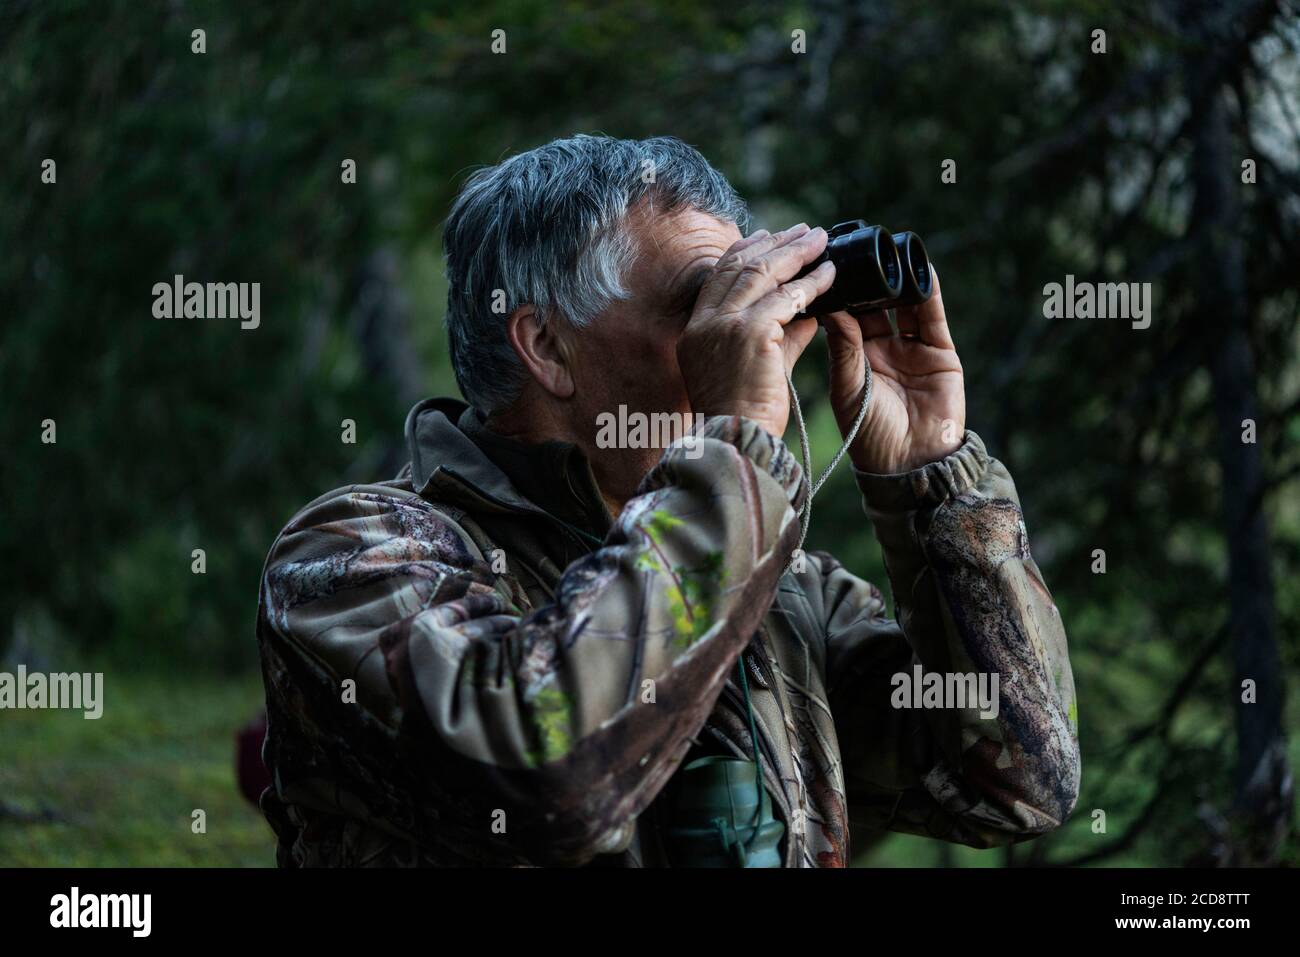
pixel 748 327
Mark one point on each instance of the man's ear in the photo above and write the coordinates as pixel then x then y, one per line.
pixel 541 351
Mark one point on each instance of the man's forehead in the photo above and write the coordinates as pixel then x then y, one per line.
pixel 678 248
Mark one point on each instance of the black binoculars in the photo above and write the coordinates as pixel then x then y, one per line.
pixel 874 269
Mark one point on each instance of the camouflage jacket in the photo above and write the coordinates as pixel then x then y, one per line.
pixel 457 661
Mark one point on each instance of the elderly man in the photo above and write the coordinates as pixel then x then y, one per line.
pixel 520 649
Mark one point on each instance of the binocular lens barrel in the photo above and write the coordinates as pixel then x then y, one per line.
pixel 874 269
pixel 917 282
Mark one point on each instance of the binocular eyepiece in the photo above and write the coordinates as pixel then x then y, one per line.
pixel 874 269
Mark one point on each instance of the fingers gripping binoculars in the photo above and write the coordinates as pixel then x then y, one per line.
pixel 874 269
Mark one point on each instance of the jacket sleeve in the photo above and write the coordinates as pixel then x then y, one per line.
pixel 969 600
pixel 538 737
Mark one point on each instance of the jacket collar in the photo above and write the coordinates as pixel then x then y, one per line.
pixel 454 456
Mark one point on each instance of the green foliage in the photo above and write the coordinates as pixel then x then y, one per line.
pixel 553 712
pixel 691 596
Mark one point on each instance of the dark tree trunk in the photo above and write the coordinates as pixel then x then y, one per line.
pixel 1262 781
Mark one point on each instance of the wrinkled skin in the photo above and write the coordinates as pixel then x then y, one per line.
pixel 711 325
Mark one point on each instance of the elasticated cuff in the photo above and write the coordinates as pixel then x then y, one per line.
pixel 926 487
pixel 764 449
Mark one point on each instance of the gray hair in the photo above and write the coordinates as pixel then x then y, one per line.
pixel 549 227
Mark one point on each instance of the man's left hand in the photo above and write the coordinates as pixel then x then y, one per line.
pixel 918 401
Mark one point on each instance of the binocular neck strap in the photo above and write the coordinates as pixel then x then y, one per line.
pixel 805 513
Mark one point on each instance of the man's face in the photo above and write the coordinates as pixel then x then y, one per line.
pixel 628 355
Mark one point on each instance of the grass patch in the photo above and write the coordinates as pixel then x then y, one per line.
pixel 120 790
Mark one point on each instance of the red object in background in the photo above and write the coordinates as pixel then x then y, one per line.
pixel 250 772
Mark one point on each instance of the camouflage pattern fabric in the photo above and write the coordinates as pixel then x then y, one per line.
pixel 458 674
